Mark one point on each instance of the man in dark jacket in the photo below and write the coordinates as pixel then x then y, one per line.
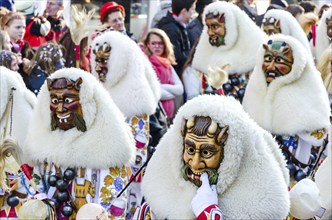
pixel 175 26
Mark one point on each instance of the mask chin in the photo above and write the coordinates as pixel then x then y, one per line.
pixel 188 175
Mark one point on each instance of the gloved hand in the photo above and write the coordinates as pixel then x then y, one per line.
pixel 206 196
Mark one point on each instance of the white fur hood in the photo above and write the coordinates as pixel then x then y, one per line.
pixel 322 41
pixel 289 26
pixel 23 103
pixel 253 177
pixel 290 104
pixel 242 40
pixel 107 142
pixel 131 80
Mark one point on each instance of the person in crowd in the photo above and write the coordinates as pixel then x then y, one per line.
pixel 309 19
pixel 126 73
pixel 112 15
pixel 217 151
pixel 324 34
pixel 37 29
pixel 48 59
pixel 195 26
pixel 274 4
pixel 249 7
pixel 296 10
pixel 175 25
pixel 219 53
pixel 53 13
pixel 72 108
pixel 165 6
pixel 161 55
pixel 9 60
pixel 278 21
pixel 14 24
pixel 284 83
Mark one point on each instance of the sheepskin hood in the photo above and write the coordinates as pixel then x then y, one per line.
pixel 289 26
pixel 131 80
pixel 23 103
pixel 292 103
pixel 322 41
pixel 107 142
pixel 241 32
pixel 253 170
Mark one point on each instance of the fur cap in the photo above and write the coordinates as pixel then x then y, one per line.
pixel 241 32
pixel 107 142
pixel 292 103
pixel 289 26
pixel 253 177
pixel 131 80
pixel 23 103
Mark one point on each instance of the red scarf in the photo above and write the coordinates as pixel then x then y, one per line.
pixel 163 68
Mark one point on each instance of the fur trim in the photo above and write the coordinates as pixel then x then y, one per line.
pixel 252 182
pixel 108 141
pixel 289 26
pixel 322 41
pixel 293 103
pixel 131 80
pixel 23 103
pixel 241 32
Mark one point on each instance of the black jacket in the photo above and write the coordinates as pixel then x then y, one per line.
pixel 179 37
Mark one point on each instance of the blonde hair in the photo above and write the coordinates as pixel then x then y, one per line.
pixel 3 37
pixel 324 67
pixel 168 50
pixel 306 20
pixel 46 57
pixel 9 17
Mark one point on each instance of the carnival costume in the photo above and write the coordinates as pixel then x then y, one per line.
pixel 252 177
pixel 19 100
pixel 294 107
pixel 324 34
pixel 287 25
pixel 85 162
pixel 129 78
pixel 240 32
pixel 16 107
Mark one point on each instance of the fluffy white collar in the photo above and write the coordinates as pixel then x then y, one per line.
pixel 289 26
pixel 242 40
pixel 23 103
pixel 131 80
pixel 253 178
pixel 108 141
pixel 293 103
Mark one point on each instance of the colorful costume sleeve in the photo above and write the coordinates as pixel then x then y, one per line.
pixel 211 212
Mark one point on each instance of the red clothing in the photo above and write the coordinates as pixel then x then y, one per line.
pixel 163 68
